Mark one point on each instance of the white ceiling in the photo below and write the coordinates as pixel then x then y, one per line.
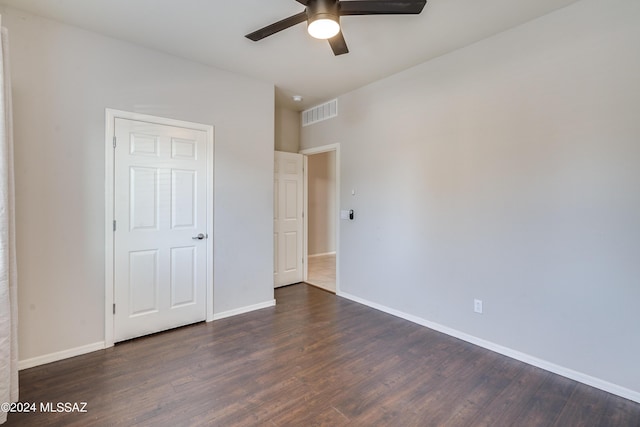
pixel 212 32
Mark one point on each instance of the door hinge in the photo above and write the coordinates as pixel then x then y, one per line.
pixel 114 142
pixel 114 309
pixel 114 225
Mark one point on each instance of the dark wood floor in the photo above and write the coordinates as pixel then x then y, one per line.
pixel 314 359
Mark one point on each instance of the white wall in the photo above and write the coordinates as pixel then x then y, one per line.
pixel 321 174
pixel 507 171
pixel 63 79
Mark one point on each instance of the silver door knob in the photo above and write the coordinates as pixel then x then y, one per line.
pixel 198 237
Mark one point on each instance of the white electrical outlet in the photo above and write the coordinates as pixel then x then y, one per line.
pixel 477 305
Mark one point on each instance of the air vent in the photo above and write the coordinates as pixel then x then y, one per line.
pixel 320 112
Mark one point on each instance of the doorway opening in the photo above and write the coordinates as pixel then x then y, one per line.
pixel 322 207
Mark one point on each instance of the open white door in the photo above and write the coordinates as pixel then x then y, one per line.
pixel 288 207
pixel 160 211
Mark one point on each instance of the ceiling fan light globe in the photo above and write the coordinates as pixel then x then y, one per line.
pixel 323 28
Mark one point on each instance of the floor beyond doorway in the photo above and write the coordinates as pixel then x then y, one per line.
pixel 322 272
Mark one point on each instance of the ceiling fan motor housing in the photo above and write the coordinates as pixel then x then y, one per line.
pixel 323 9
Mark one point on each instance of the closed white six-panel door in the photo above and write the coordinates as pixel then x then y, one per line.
pixel 288 206
pixel 160 210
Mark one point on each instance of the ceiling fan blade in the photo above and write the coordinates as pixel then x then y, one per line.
pixel 278 26
pixel 381 7
pixel 304 2
pixel 338 44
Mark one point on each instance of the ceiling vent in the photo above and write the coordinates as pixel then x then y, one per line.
pixel 320 112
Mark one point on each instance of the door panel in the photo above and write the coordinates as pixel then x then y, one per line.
pixel 183 202
pixel 160 206
pixel 291 251
pixel 143 280
pixel 288 220
pixel 143 198
pixel 183 284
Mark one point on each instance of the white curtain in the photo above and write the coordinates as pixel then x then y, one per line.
pixel 8 273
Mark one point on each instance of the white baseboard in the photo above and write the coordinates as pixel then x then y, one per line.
pixel 514 354
pixel 59 355
pixel 242 310
pixel 323 254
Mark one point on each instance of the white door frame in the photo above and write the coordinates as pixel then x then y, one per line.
pixel 308 152
pixel 110 116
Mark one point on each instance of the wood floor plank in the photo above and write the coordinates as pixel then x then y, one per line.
pixel 314 359
pixel 498 373
pixel 620 413
pixel 585 406
pixel 546 405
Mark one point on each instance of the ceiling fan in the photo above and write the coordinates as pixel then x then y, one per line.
pixel 323 18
